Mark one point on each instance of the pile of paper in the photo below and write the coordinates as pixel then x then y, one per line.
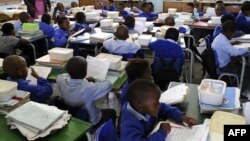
pixel 36 120
pixel 230 103
pixel 46 61
pixel 41 71
pixel 110 29
pixel 100 37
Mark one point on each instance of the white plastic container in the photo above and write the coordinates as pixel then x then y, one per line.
pixel 89 8
pixel 113 14
pixel 179 22
pixel 91 15
pixel 212 91
pixel 76 9
pixel 144 39
pixel 185 16
pixel 141 19
pixel 106 22
pixel 162 16
pixel 172 11
pixel 115 60
pixel 8 89
pixel 60 54
pixel 216 20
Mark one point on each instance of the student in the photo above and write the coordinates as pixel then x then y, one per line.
pixel 62 33
pixel 220 10
pixel 110 6
pixel 191 9
pixel 59 10
pixel 74 4
pixel 133 8
pixel 81 22
pixel 130 23
pixel 45 26
pixel 121 11
pixel 98 6
pixel 79 91
pixel 135 69
pixel 152 7
pixel 16 68
pixel 146 12
pixel 143 111
pixel 8 41
pixel 196 6
pixel 23 18
pixel 243 18
pixel 119 45
pixel 218 28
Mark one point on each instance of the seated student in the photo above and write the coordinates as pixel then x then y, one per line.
pixel 196 6
pixel 121 11
pixel 130 23
pixel 119 45
pixel 135 69
pixel 146 12
pixel 79 91
pixel 59 10
pixel 243 18
pixel 110 6
pixel 218 28
pixel 98 6
pixel 152 7
pixel 8 41
pixel 74 4
pixel 80 22
pixel 23 18
pixel 219 10
pixel 143 111
pixel 62 33
pixel 45 26
pixel 133 8
pixel 191 9
pixel 16 68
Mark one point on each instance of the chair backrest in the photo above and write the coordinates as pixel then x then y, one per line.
pixel 106 132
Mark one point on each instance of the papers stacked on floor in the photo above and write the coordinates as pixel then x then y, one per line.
pixel 19 99
pixel 230 103
pixel 174 94
pixel 36 120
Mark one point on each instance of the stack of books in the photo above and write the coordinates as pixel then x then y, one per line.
pixel 110 29
pixel 35 120
pixel 100 37
pixel 19 99
pixel 46 61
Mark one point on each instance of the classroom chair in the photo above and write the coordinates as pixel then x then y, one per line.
pixel 106 132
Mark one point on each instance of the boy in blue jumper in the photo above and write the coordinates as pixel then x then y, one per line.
pixel 62 33
pixel 16 68
pixel 45 26
pixel 81 22
pixel 143 110
pixel 243 18
pixel 146 12
pixel 121 11
pixel 110 6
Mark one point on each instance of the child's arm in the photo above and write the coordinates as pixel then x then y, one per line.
pixel 60 40
pixel 99 89
pixel 170 112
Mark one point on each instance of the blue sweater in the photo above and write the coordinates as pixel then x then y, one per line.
pixel 38 93
pixel 243 24
pixel 60 38
pixel 149 16
pixel 79 26
pixel 124 91
pixel 133 129
pixel 111 8
pixel 47 30
pixel 124 14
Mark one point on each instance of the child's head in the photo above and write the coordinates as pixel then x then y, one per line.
pixel 24 17
pixel 46 18
pixel 219 1
pixel 219 9
pixel 8 29
pixel 98 5
pixel 189 7
pixel 64 23
pixel 143 96
pixel 15 67
pixel 172 33
pixel 169 21
pixel 80 17
pixel 74 4
pixel 130 4
pixel 152 7
pixel 138 69
pixel 110 2
pixel 245 8
pixel 229 28
pixel 146 7
pixel 120 6
pixel 227 17
pixel 121 33
pixel 130 21
pixel 60 6
pixel 77 67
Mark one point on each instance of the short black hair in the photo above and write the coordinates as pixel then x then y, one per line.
pixel 46 18
pixel 172 33
pixel 60 19
pixel 246 2
pixel 219 1
pixel 130 1
pixel 227 17
pixel 24 16
pixel 190 4
pixel 144 5
pixel 130 21
pixel 80 17
pixel 229 26
pixel 7 28
pixel 140 90
pixel 245 7
pixel 112 1
pixel 136 69
pixel 150 3
pixel 77 67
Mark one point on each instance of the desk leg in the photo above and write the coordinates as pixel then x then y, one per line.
pixel 34 50
pixel 191 64
pixel 242 72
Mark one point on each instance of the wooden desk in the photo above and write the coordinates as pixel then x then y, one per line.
pixel 201 25
pixel 74 130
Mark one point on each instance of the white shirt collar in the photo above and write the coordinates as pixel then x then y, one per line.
pixel 137 114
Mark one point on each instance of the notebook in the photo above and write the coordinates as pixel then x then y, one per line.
pixel 41 71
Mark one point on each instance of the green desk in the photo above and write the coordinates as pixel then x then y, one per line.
pixel 74 130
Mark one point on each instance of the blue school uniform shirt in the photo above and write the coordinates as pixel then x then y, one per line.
pixel 137 127
pixel 150 16
pixel 124 91
pixel 243 23
pixel 47 30
pixel 60 38
pixel 224 50
pixel 124 14
pixel 79 26
pixel 38 93
pixel 218 29
pixel 81 93
pixel 167 48
pixel 111 8
pixel 18 25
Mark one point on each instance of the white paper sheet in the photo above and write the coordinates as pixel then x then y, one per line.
pixel 41 71
pixel 1 62
pixel 243 45
pixel 97 68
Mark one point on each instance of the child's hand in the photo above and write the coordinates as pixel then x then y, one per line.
pixel 189 120
pixel 166 127
pixel 91 79
pixel 34 73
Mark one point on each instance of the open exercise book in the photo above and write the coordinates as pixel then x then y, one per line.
pixel 41 71
pixel 183 133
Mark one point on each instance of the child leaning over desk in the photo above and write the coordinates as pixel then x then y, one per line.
pixel 62 33
pixel 16 68
pixel 81 22
pixel 143 110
